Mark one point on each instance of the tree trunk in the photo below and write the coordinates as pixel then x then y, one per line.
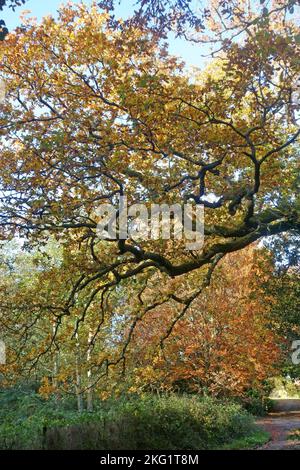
pixel 78 378
pixel 89 375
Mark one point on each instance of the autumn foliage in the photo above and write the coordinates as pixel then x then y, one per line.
pixel 96 109
pixel 224 345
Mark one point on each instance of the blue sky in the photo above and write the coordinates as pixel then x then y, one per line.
pixel 190 53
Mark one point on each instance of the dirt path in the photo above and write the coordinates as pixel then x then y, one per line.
pixel 279 425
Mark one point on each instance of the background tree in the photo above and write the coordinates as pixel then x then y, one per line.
pixel 226 344
pixel 285 289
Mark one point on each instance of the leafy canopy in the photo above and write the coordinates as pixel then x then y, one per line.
pixel 96 110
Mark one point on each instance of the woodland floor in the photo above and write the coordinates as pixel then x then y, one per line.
pixel 280 425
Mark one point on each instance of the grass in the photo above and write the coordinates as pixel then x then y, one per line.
pixel 254 440
pixel 294 435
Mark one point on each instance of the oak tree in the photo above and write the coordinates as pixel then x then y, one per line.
pixel 95 111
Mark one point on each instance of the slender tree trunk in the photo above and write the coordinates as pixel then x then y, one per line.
pixel 89 375
pixel 78 377
pixel 55 371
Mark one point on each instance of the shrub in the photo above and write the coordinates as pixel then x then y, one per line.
pixel 149 422
pixel 257 402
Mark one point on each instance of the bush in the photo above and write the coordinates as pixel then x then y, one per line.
pixel 150 422
pixel 257 401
